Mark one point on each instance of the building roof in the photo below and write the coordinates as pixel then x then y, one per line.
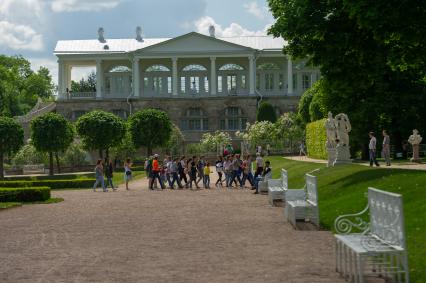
pixel 129 45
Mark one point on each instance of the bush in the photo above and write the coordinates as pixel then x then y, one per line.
pixel 75 155
pixel 24 194
pixel 28 155
pixel 84 176
pixel 316 138
pixel 53 184
pixel 266 112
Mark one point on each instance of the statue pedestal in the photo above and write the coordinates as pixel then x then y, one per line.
pixel 416 157
pixel 343 155
pixel 331 156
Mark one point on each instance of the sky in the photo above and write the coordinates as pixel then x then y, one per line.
pixel 31 28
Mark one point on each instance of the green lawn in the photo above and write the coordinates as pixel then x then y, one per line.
pixel 4 205
pixel 342 188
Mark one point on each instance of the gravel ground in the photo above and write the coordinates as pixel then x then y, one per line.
pixel 216 235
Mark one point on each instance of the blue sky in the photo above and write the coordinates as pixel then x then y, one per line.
pixel 32 27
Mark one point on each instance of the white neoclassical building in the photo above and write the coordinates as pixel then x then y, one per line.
pixel 205 83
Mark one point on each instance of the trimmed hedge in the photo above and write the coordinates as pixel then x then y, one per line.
pixel 53 184
pixel 47 177
pixel 316 137
pixel 24 194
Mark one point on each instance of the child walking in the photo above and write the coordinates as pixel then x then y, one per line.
pixel 99 174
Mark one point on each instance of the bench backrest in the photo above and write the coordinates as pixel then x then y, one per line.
pixel 284 179
pixel 311 189
pixel 386 217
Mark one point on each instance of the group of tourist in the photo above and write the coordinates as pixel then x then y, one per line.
pixel 231 169
pixel 194 172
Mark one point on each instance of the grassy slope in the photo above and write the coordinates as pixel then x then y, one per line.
pixel 341 191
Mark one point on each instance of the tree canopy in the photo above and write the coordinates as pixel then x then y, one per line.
pixel 11 138
pixel 51 133
pixel 85 85
pixel 100 130
pixel 371 56
pixel 20 87
pixel 266 112
pixel 150 128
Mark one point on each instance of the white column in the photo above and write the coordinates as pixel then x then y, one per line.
pixel 313 78
pixel 175 76
pixel 61 84
pixel 213 77
pixel 252 74
pixel 68 77
pixel 289 76
pixel 99 79
pixel 136 78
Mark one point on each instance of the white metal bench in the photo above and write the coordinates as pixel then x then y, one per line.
pixel 263 184
pixel 378 248
pixel 278 189
pixel 303 205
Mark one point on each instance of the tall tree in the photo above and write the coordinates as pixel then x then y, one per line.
pixel 150 128
pixel 51 133
pixel 85 85
pixel 11 139
pixel 371 55
pixel 20 87
pixel 100 130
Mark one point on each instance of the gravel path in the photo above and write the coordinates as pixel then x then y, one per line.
pixel 215 235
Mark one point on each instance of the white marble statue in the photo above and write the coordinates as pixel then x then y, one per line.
pixel 101 32
pixel 330 126
pixel 415 139
pixel 343 127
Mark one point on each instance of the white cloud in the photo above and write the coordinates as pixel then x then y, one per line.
pixel 254 9
pixel 234 29
pixel 18 10
pixel 20 37
pixel 83 5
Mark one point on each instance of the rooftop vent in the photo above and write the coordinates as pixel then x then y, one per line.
pixel 101 37
pixel 212 31
pixel 139 34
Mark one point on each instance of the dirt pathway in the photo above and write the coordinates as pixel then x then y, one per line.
pixel 217 235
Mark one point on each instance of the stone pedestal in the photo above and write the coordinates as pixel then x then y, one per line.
pixel 343 155
pixel 331 156
pixel 415 157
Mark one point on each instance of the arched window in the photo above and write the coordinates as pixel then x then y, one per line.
pixel 194 67
pixel 120 69
pixel 194 120
pixel 157 68
pixel 268 67
pixel 231 67
pixel 233 119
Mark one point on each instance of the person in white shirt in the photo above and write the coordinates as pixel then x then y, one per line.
pixel 372 149
pixel 259 165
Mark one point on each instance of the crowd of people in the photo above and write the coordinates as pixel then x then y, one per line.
pixel 191 173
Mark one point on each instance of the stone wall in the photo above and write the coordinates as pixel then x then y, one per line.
pixel 213 108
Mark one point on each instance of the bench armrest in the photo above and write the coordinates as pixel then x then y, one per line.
pixel 274 183
pixel 344 224
pixel 292 195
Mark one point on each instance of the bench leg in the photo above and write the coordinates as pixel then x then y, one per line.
pixel 336 254
pixel 359 269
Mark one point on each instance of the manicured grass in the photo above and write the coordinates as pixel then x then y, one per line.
pixel 342 189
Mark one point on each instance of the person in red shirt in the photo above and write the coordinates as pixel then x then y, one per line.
pixel 155 173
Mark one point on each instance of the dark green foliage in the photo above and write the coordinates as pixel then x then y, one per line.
pixel 266 112
pixel 303 109
pixel 11 138
pixel 151 128
pixel 53 184
pixel 373 69
pixel 100 130
pixel 20 87
pixel 51 133
pixel 24 194
pixel 316 138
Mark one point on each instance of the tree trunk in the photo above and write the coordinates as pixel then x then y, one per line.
pixel 101 154
pixel 149 149
pixel 107 153
pixel 51 163
pixel 58 166
pixel 1 166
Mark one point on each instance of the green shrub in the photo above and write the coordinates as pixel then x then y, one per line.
pixel 24 194
pixel 316 138
pixel 47 177
pixel 53 184
pixel 266 112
